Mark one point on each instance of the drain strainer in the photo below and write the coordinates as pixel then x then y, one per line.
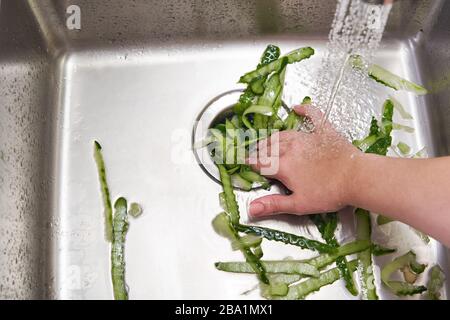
pixel 216 111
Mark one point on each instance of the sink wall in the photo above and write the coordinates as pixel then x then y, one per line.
pixel 37 51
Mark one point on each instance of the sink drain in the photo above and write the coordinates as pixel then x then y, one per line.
pixel 216 111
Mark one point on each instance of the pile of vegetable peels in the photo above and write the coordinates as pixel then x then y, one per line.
pixel 258 111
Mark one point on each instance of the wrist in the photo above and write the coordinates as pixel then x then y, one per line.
pixel 355 177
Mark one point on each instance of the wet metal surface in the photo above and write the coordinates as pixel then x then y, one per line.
pixel 135 78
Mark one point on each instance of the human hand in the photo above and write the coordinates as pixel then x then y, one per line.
pixel 316 167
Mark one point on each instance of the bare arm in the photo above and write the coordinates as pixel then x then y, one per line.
pixel 415 191
pixel 326 173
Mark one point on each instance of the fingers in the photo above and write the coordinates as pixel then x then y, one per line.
pixel 284 136
pixel 309 111
pixel 267 158
pixel 275 139
pixel 272 204
pixel 273 146
pixel 315 115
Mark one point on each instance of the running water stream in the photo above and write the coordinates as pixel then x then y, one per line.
pixel 343 93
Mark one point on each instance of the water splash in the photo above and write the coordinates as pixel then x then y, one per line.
pixel 343 93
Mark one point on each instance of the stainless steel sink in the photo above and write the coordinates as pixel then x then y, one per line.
pixel 135 77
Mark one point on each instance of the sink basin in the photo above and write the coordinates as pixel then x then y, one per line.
pixel 135 77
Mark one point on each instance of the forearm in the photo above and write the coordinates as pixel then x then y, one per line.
pixel 415 191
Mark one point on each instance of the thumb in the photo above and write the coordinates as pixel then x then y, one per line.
pixel 271 204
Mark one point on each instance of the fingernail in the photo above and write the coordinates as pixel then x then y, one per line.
pixel 256 208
